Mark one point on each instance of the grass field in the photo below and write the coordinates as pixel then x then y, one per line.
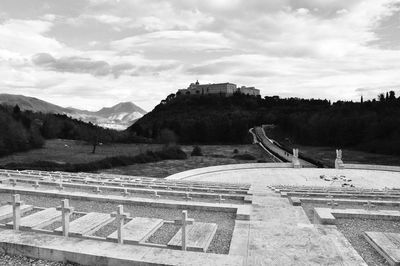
pixel 327 156
pixel 69 151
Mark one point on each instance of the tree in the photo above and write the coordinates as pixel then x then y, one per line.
pixel 168 137
pixel 196 151
pixel 16 110
pixel 392 95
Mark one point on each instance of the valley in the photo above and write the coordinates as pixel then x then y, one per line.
pixel 118 117
pixel 63 151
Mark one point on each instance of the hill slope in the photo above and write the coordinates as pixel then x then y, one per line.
pixel 372 126
pixel 119 116
pixel 32 104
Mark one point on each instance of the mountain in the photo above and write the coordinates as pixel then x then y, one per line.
pixel 31 103
pixel 119 116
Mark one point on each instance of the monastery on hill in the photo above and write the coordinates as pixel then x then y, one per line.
pixel 226 89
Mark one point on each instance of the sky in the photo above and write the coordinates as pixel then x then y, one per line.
pixel 94 53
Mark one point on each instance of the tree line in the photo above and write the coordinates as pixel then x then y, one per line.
pixel 24 130
pixel 372 125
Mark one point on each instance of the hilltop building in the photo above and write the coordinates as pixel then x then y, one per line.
pixel 225 89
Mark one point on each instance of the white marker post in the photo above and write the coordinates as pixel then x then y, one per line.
pixel 184 221
pixel 36 184
pixel 120 216
pixel 16 203
pixel 66 211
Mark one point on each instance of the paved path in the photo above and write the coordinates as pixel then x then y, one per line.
pixel 264 174
pixel 281 234
pixel 276 150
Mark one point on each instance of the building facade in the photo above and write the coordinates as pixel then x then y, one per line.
pixel 223 89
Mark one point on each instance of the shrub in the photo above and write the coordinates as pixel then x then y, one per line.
pixel 172 152
pixel 235 151
pixel 196 151
pixel 245 156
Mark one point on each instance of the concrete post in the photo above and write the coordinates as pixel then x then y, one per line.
pixel 296 161
pixel 338 161
pixel 120 216
pixel 36 184
pixel 16 203
pixel 183 222
pixel 66 211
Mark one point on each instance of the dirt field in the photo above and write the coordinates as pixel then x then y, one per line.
pixel 68 151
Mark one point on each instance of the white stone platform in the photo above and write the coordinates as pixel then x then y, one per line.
pixel 281 234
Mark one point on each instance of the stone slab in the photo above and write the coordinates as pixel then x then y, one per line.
pixel 91 252
pixel 243 212
pixel 328 216
pixel 387 244
pixel 295 201
pixel 199 236
pixel 88 224
pixel 138 229
pixel 351 201
pixel 39 219
pixel 324 216
pixel 6 211
pixel 162 203
pixel 240 238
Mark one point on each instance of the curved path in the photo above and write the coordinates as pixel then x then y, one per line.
pixel 275 149
pixel 265 174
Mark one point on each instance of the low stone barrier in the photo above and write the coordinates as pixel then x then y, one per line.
pixel 372 167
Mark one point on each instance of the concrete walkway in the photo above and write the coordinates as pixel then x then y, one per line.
pixel 281 234
pixel 264 174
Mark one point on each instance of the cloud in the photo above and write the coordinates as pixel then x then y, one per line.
pixel 304 48
pixel 77 64
pixel 26 37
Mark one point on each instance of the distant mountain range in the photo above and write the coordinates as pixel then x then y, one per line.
pixel 118 117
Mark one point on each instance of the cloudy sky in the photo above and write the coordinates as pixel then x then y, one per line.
pixel 94 53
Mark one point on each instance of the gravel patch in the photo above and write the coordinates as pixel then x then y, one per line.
pixel 13 260
pixel 353 230
pixel 58 224
pixel 109 228
pixel 164 234
pixel 224 220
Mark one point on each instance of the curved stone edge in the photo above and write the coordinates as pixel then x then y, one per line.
pixel 227 167
pixel 376 167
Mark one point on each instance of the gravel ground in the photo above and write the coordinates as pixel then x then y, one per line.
pixel 224 220
pixel 164 234
pixel 11 260
pixel 57 224
pixel 108 229
pixel 354 228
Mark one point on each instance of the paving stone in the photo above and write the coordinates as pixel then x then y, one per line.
pixel 327 215
pixel 387 244
pixel 88 224
pixel 39 219
pixel 199 236
pixel 6 211
pixel 138 229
